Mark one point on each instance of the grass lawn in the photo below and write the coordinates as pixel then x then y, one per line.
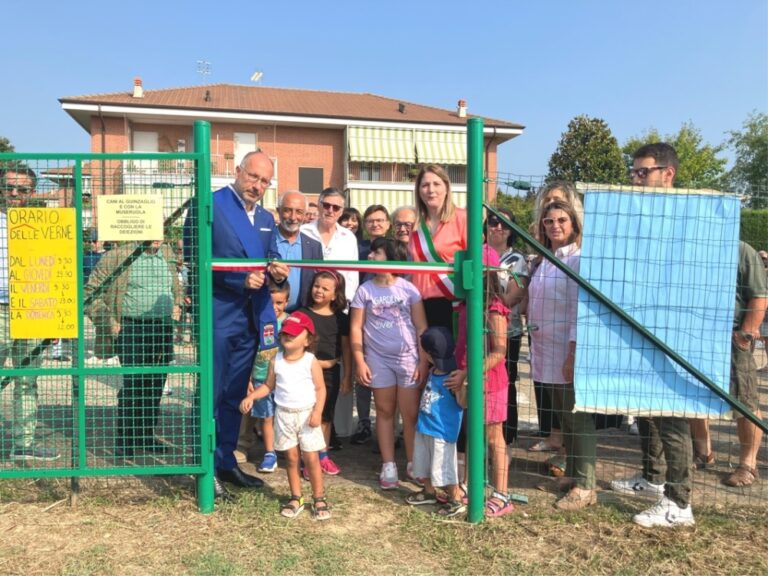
pixel 159 531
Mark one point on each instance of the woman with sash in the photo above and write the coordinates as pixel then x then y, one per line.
pixel 440 232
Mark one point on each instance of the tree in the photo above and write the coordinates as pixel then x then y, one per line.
pixel 699 165
pixel 588 152
pixel 749 174
pixel 5 145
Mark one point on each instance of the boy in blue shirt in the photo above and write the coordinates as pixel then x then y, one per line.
pixel 437 427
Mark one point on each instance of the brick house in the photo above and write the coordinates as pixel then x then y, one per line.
pixel 367 144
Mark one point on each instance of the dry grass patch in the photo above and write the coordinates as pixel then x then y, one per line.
pixel 370 533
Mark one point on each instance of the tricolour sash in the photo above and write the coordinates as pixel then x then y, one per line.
pixel 425 250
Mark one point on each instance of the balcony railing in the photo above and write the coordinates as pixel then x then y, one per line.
pixel 398 173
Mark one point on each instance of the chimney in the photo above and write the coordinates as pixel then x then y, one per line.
pixel 138 90
pixel 462 111
pixel 401 108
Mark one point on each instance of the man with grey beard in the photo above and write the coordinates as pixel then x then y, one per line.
pixel 295 245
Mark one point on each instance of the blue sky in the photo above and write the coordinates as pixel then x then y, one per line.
pixel 540 63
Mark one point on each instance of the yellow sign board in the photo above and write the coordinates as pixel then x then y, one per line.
pixel 42 272
pixel 130 217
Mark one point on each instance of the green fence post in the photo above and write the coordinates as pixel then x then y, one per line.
pixel 472 279
pixel 202 136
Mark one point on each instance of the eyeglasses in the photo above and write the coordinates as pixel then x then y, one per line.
pixel 493 221
pixel 332 207
pixel 643 172
pixel 551 221
pixel 406 225
pixel 378 221
pixel 258 179
pixel 18 189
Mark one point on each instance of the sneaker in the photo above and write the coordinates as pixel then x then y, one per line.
pixel 363 433
pixel 268 463
pixel 636 485
pixel 335 442
pixel 665 513
pixel 305 472
pixel 40 453
pixel 411 478
pixel 329 466
pixel 388 479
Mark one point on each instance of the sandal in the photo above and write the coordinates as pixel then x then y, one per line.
pixel 464 493
pixel 293 507
pixel 421 497
pixel 742 477
pixel 701 462
pixel 557 465
pixel 498 505
pixel 320 509
pixel 451 509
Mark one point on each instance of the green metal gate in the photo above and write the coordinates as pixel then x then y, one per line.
pixel 72 405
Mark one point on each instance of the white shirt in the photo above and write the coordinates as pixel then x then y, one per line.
pixel 294 387
pixel 343 246
pixel 552 308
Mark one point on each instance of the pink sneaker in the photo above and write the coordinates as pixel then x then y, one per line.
pixel 329 466
pixel 388 477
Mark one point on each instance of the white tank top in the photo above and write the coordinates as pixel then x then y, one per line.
pixel 294 387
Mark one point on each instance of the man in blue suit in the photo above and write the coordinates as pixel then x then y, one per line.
pixel 295 245
pixel 243 317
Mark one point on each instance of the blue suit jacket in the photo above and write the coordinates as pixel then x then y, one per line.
pixel 237 310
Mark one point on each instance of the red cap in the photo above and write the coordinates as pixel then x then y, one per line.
pixel 296 323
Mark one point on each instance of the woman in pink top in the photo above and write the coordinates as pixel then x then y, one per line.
pixel 440 232
pixel 552 304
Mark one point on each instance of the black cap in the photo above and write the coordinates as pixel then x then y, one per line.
pixel 437 341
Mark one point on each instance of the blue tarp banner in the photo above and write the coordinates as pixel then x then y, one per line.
pixel 669 260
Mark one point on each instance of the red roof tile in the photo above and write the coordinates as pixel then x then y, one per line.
pixel 284 101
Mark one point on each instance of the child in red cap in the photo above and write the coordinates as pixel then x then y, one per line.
pixel 296 377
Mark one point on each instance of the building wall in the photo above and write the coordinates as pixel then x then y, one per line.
pixel 294 148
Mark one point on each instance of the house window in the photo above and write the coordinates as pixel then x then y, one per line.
pixel 311 180
pixel 370 172
pixel 457 173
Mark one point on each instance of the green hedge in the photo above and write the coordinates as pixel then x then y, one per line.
pixel 754 228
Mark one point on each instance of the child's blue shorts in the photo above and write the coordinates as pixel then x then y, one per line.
pixel 264 408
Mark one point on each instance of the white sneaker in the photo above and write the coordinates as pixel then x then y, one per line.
pixel 388 479
pixel 665 513
pixel 636 485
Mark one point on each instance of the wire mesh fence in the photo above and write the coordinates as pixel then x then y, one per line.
pixel 98 341
pixel 685 264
